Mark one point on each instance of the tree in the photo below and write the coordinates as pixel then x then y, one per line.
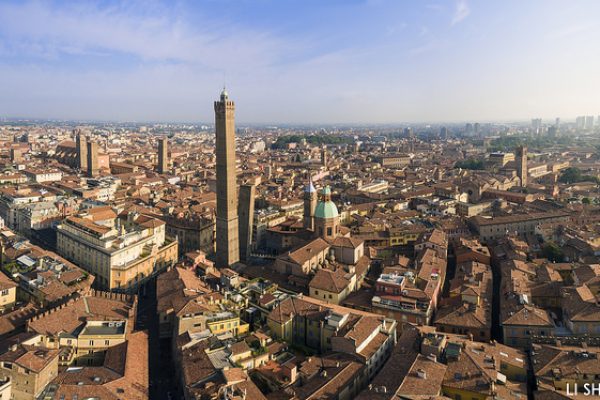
pixel 470 163
pixel 570 175
pixel 318 140
pixel 586 200
pixel 553 252
pixel 574 175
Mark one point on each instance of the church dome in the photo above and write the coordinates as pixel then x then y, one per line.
pixel 325 207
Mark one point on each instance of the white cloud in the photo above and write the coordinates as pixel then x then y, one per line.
pixel 461 11
pixel 39 30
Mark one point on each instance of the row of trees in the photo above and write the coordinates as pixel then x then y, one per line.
pixel 283 141
pixel 470 163
pixel 509 143
pixel 574 175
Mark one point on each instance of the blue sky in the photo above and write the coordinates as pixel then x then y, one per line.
pixel 304 61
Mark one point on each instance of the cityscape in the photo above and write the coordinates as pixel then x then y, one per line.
pixel 147 253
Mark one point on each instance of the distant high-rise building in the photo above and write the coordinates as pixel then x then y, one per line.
pixel 444 132
pixel 557 123
pixel 536 126
pixel 82 151
pixel 580 122
pixel 228 248
pixel 163 155
pixel 477 128
pixel 589 122
pixel 408 132
pixel 246 219
pixel 521 161
pixel 552 131
pixel 93 169
pixel 469 128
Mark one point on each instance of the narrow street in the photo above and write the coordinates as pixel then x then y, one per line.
pixel 162 379
pixel 496 330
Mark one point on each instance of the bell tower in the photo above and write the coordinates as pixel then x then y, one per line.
pixel 310 204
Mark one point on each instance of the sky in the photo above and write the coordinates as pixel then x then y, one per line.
pixel 300 61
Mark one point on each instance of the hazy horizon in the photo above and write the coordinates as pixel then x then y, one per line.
pixel 300 62
pixel 459 123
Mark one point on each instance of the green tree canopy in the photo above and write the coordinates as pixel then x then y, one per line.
pixel 553 252
pixel 470 163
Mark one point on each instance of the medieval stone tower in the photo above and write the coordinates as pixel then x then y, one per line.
pixel 228 251
pixel 521 161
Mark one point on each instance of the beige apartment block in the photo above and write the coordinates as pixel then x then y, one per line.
pixel 120 253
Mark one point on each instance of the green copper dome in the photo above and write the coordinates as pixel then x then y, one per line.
pixel 326 209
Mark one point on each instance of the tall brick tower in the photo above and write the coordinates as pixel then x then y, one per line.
pixel 81 145
pixel 163 155
pixel 521 161
pixel 93 169
pixel 228 247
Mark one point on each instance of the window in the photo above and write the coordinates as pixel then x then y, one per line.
pixel 5 292
pixel 329 231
